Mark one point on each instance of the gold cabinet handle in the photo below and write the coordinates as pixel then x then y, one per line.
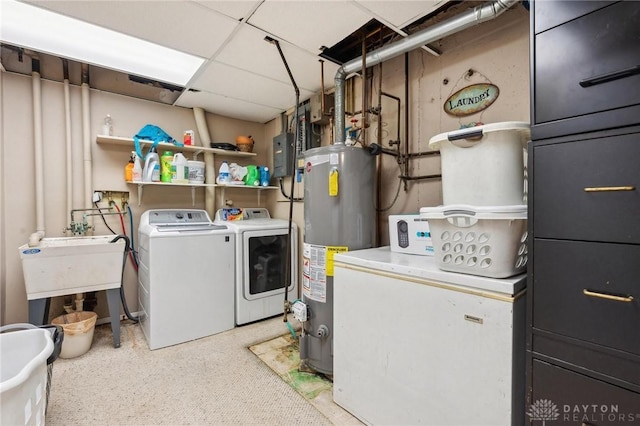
pixel 607 296
pixel 609 188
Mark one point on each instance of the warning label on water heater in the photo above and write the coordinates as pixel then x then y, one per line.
pixel 317 264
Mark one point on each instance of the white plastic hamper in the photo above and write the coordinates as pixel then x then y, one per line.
pixel 484 165
pixel 479 240
pixel 23 375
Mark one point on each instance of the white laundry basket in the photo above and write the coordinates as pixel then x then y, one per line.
pixel 23 376
pixel 479 240
pixel 484 165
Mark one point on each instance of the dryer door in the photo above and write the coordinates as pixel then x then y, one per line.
pixel 265 262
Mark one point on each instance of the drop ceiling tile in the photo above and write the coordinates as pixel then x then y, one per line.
pixel 228 107
pixel 400 13
pixel 234 9
pixel 249 51
pixel 183 25
pixel 235 83
pixel 309 24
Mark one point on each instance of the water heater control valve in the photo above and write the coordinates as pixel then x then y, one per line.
pixel 299 310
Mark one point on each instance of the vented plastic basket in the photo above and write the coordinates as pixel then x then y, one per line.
pixel 485 241
pixel 484 165
pixel 23 372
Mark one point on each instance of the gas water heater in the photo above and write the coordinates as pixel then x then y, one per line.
pixel 339 216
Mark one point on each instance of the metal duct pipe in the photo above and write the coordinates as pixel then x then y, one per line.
pixel 437 31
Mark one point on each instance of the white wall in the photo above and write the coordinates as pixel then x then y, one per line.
pixel 17 165
pixel 498 49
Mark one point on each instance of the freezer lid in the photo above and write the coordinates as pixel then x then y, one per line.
pixel 425 267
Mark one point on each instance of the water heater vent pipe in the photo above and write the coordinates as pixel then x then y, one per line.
pixel 435 32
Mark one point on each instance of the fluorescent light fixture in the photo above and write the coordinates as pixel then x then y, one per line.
pixel 40 30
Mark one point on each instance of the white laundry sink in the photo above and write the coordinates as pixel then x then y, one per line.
pixel 67 265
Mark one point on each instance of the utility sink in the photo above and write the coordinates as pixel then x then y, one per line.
pixel 67 265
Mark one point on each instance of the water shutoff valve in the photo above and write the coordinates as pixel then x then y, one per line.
pixel 299 310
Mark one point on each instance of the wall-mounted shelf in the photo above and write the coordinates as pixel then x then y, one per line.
pixel 193 187
pixel 128 142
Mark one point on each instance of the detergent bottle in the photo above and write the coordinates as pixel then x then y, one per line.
pixel 165 166
pixel 224 176
pixel 151 171
pixel 179 169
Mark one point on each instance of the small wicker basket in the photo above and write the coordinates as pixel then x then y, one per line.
pixel 245 143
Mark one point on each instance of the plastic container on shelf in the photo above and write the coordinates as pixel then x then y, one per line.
pixel 165 166
pixel 107 127
pixel 484 165
pixel 224 176
pixel 489 241
pixel 151 170
pixel 136 173
pixel 179 169
pixel 128 169
pixel 78 330
pixel 196 171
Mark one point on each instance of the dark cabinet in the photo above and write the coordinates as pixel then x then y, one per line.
pixel 585 66
pixel 571 398
pixel 583 339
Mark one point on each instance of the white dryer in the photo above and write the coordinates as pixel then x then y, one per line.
pixel 261 262
pixel 185 276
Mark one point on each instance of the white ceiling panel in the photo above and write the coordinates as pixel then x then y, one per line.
pixel 249 51
pixel 228 107
pixel 309 24
pixel 183 25
pixel 234 9
pixel 235 83
pixel 400 13
pixel 244 76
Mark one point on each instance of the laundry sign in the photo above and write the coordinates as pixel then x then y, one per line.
pixel 471 99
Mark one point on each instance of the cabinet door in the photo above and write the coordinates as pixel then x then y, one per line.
pixel 549 14
pixel 588 65
pixel 567 398
pixel 588 291
pixel 588 190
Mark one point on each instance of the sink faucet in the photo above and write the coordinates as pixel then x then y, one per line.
pixel 81 228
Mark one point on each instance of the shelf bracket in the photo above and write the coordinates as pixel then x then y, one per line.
pixel 139 194
pixel 193 196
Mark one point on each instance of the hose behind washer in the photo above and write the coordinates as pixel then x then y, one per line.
pixel 127 248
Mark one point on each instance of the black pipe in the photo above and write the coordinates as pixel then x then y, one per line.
pixel 293 167
pixel 127 248
pixel 424 177
pixel 406 115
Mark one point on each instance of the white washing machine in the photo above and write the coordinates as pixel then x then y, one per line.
pixel 261 254
pixel 185 276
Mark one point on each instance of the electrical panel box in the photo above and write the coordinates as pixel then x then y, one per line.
pixel 318 116
pixel 282 152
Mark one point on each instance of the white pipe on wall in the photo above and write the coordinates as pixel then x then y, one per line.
pixel 36 83
pixel 210 173
pixel 86 138
pixel 67 123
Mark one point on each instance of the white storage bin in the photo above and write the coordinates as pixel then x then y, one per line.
pixel 23 376
pixel 479 240
pixel 484 165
